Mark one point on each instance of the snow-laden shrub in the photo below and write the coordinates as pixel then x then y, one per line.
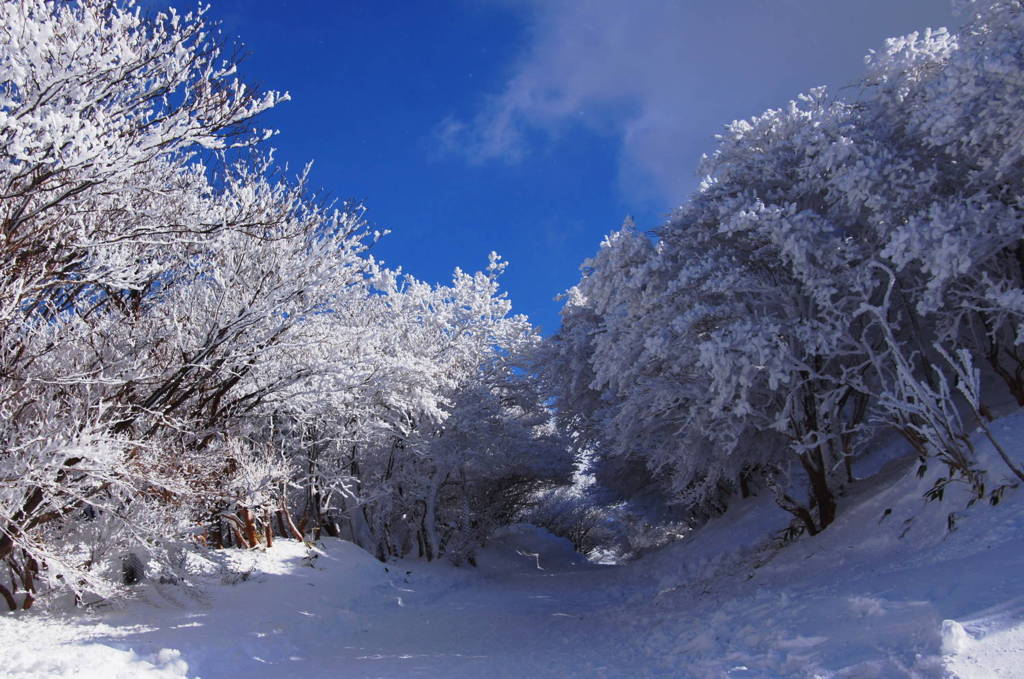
pixel 603 531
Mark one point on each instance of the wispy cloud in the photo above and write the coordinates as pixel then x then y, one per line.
pixel 663 76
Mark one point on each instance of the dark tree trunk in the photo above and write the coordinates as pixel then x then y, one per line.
pixel 286 519
pixel 821 495
pixel 1014 380
pixel 14 527
pixel 12 603
pixel 248 528
pixel 745 475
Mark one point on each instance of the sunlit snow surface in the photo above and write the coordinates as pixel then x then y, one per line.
pixel 857 601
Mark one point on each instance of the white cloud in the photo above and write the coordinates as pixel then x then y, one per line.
pixel 663 76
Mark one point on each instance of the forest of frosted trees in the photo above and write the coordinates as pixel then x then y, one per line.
pixel 848 267
pixel 198 352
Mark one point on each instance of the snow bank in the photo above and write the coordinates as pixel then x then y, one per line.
pixel 49 649
pixel 974 652
pixel 879 594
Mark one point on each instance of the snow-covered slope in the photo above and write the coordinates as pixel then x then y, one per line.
pixel 887 591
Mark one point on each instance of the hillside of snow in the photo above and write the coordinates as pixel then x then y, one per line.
pixel 888 591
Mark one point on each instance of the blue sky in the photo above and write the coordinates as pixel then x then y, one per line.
pixel 533 127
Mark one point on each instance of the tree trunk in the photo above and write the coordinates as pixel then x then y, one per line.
pixel 28 573
pixel 1013 380
pixel 33 499
pixel 12 603
pixel 745 475
pixel 31 503
pixel 428 522
pixel 814 465
pixel 801 513
pixel 249 527
pixel 286 519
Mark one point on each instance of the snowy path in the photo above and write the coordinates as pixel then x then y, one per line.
pixel 887 591
pixel 433 622
pixel 539 623
pixel 348 617
pixel 345 616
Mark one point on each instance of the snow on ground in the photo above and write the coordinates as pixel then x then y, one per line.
pixel 887 591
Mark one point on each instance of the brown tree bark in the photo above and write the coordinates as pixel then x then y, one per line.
pixel 249 527
pixel 12 603
pixel 286 518
pixel 268 529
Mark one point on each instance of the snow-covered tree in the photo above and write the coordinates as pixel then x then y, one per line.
pixel 956 97
pixel 193 347
pixel 437 426
pixel 830 243
pixel 106 117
